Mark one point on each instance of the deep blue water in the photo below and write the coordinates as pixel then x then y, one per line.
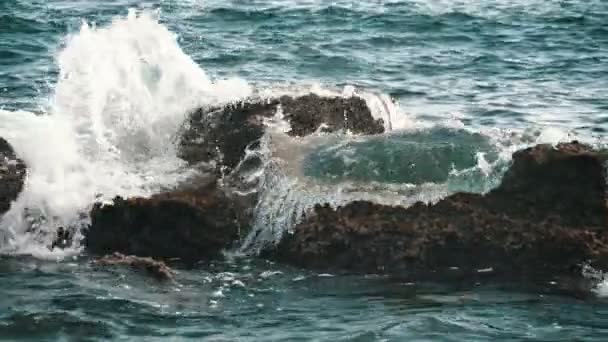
pixel 520 70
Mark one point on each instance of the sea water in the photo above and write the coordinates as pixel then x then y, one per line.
pixel 93 94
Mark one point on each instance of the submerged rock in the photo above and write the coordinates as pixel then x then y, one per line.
pixel 548 216
pixel 188 224
pixel 224 135
pixel 154 268
pixel 12 176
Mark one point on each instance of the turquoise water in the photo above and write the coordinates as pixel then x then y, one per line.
pixel 429 156
pixel 470 81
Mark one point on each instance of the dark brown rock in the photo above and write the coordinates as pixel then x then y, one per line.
pixel 567 181
pixel 12 176
pixel 306 114
pixel 189 224
pixel 548 216
pixel 157 269
pixel 223 135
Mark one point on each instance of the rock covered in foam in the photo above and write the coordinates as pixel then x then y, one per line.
pixel 549 215
pixel 199 222
pixel 12 175
pixel 149 266
pixel 187 224
pixel 223 135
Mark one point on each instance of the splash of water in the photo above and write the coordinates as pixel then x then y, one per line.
pixel 122 93
pixel 599 280
pixel 286 193
pixel 381 105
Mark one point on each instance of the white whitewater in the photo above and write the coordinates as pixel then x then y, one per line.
pixel 122 93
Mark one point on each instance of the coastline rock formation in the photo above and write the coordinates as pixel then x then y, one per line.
pixel 199 222
pixel 223 135
pixel 12 176
pixel 549 216
pixel 157 269
pixel 188 224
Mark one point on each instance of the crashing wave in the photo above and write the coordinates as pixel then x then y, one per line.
pixel 122 95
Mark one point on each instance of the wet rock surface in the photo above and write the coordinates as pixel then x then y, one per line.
pixel 198 222
pixel 224 135
pixel 190 224
pixel 63 238
pixel 12 176
pixel 548 216
pixel 156 269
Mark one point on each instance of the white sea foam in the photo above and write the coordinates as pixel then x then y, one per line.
pixel 286 193
pixel 122 93
pixel 599 280
pixel 601 289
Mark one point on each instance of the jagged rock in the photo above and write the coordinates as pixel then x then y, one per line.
pixel 63 238
pixel 187 224
pixel 567 182
pixel 12 176
pixel 223 135
pixel 154 268
pixel 549 215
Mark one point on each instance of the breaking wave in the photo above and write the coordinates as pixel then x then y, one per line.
pixel 125 89
pixel 121 95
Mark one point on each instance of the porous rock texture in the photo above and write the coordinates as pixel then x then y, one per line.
pixel 191 225
pixel 548 216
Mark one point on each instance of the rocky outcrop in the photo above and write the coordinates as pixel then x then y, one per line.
pixel 198 222
pixel 187 224
pixel 12 176
pixel 223 135
pixel 549 215
pixel 157 269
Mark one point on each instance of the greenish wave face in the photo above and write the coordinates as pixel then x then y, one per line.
pixel 424 156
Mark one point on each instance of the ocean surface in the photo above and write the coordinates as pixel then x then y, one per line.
pixel 93 94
